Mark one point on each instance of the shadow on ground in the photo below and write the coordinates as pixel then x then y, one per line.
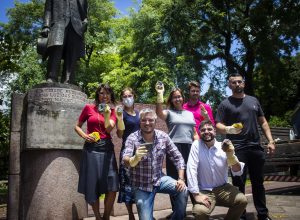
pixel 291 191
pixel 250 216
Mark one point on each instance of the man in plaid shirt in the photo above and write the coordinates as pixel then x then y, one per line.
pixel 144 152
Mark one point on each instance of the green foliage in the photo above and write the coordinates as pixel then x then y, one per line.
pixel 18 39
pixel 214 97
pixel 100 52
pixel 281 121
pixel 240 34
pixel 154 55
pixel 280 91
pixel 91 88
pixel 25 21
pixel 173 41
pixel 4 145
pixel 9 52
pixel 29 75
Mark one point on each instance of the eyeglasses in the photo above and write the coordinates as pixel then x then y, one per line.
pixel 237 82
pixel 144 120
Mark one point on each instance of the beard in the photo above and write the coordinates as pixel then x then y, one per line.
pixel 238 90
pixel 207 138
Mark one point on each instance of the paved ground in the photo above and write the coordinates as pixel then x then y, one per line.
pixel 283 200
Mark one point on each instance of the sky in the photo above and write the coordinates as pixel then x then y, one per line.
pixel 122 5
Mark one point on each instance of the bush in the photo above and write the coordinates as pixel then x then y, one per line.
pixel 281 121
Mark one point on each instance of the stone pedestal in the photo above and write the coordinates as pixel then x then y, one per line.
pixel 49 154
pixel 51 112
pixel 49 185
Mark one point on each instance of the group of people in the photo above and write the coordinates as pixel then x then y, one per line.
pixel 196 163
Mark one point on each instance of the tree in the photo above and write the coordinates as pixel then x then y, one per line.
pixel 280 92
pixel 99 42
pixel 152 53
pixel 241 33
pixel 28 75
pixel 22 63
pixel 21 32
pixel 253 38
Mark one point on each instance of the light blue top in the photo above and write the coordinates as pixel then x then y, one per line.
pixel 207 168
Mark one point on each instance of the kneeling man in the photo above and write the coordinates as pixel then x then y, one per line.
pixel 207 175
pixel 144 152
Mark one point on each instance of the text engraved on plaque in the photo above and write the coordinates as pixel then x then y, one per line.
pixel 61 95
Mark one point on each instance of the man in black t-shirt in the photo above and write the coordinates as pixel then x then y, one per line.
pixel 245 109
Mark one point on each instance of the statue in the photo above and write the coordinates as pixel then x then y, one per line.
pixel 65 22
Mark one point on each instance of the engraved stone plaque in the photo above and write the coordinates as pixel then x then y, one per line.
pixel 51 114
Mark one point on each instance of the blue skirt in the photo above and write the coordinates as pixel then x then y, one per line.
pixel 98 170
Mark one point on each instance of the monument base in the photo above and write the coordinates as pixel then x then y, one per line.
pixel 49 185
pixel 43 181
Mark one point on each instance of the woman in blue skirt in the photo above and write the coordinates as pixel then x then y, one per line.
pixel 98 167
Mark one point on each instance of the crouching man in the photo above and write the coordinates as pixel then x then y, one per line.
pixel 207 175
pixel 144 152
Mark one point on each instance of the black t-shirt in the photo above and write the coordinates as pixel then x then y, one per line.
pixel 245 110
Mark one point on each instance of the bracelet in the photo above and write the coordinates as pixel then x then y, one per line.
pixel 181 179
pixel 271 142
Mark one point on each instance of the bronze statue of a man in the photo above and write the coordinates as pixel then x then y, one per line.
pixel 65 22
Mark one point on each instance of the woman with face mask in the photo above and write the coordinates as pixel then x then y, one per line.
pixel 127 123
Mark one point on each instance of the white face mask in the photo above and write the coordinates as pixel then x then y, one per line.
pixel 128 102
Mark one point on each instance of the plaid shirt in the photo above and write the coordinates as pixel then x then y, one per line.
pixel 148 171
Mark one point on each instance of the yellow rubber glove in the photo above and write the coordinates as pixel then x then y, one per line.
pixel 139 153
pixel 95 135
pixel 159 87
pixel 238 125
pixel 228 148
pixel 236 128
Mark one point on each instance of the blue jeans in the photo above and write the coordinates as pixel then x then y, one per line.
pixel 145 200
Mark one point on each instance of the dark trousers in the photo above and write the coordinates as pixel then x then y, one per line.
pixel 254 159
pixel 172 170
pixel 69 51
